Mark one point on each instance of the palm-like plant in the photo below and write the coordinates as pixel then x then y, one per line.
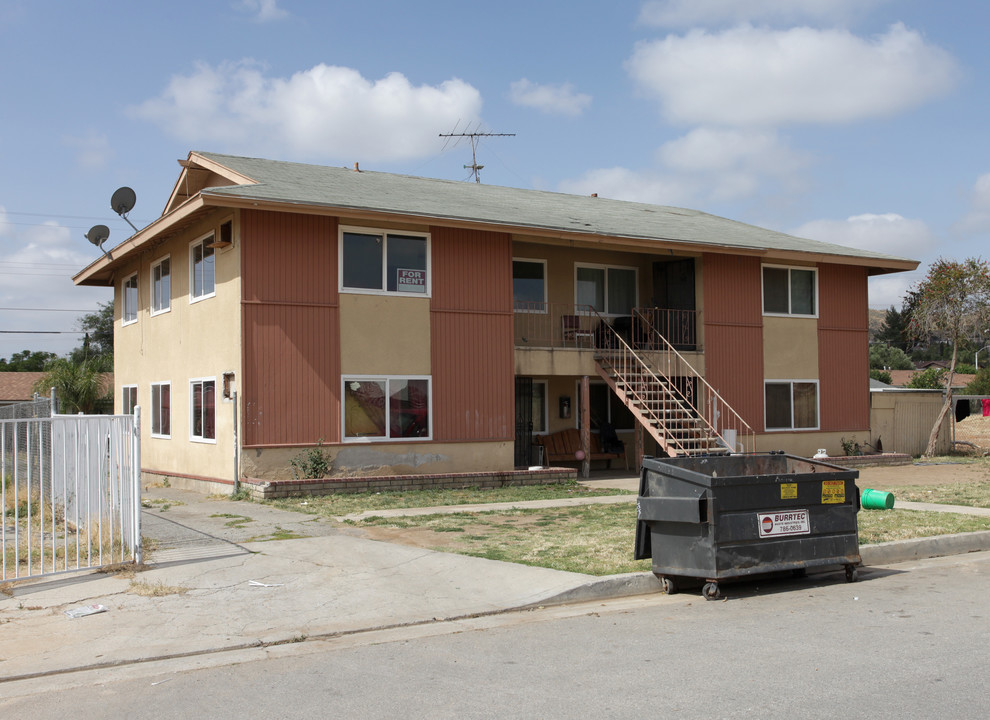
pixel 79 386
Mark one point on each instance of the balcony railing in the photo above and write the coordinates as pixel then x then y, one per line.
pixel 561 325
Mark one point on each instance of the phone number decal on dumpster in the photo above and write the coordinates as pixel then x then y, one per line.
pixel 789 522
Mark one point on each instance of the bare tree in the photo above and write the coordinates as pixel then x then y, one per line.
pixel 953 303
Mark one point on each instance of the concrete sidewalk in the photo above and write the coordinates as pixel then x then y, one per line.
pixel 225 576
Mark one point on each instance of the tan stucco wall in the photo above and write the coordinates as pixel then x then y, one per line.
pixel 806 444
pixel 790 348
pixel 383 335
pixel 198 340
pixel 387 459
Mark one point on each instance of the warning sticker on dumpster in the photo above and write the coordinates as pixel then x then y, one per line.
pixel 788 491
pixel 833 492
pixel 787 522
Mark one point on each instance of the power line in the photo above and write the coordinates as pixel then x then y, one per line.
pixel 43 309
pixel 43 332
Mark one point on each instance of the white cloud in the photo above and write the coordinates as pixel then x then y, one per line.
pixel 888 233
pixel 687 13
pixel 93 150
pixel 890 290
pixel 977 220
pixel 263 10
pixel 750 76
pixel 551 99
pixel 733 163
pixel 326 111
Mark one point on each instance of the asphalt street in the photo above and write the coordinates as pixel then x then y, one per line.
pixel 908 640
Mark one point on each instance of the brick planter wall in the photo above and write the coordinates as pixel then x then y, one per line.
pixel 860 461
pixel 268 489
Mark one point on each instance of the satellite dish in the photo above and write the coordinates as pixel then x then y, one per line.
pixel 123 200
pixel 98 235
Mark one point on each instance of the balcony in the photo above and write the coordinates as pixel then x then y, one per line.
pixel 578 327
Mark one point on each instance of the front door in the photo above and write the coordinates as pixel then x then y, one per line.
pixel 673 290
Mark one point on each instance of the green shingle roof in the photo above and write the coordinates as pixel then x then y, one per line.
pixel 432 199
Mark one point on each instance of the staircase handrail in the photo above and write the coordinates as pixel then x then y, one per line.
pixel 621 345
pixel 740 423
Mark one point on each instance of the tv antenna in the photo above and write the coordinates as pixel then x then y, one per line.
pixel 474 167
pixel 122 202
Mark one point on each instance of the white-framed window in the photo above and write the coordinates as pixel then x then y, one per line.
pixel 129 295
pixel 386 408
pixel 203 410
pixel 128 399
pixel 790 290
pixel 202 269
pixel 790 404
pixel 610 290
pixel 161 410
pixel 384 262
pixel 161 286
pixel 529 285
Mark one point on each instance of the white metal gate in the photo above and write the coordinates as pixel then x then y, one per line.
pixel 71 493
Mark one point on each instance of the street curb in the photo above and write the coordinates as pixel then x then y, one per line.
pixel 900 551
pixel 889 553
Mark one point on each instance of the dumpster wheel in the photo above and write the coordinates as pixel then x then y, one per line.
pixel 852 573
pixel 710 591
pixel 667 585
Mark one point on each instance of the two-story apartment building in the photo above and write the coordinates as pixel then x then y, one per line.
pixel 415 325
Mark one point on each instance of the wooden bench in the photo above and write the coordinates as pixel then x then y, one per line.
pixel 563 445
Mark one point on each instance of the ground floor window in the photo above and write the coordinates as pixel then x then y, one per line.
pixel 540 406
pixel 386 408
pixel 161 410
pixel 203 422
pixel 128 399
pixel 791 404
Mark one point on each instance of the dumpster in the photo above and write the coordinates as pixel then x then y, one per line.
pixel 715 517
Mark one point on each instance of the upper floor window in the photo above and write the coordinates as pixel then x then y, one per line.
pixel 609 290
pixel 202 269
pixel 529 285
pixel 130 300
pixel 161 286
pixel 379 261
pixel 790 291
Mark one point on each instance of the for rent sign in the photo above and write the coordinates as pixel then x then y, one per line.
pixel 411 280
pixel 786 522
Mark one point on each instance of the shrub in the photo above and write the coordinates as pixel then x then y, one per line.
pixel 313 463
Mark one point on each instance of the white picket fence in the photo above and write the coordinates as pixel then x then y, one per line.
pixel 71 493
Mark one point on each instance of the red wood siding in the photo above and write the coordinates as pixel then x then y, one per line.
pixel 733 315
pixel 291 329
pixel 843 348
pixel 471 336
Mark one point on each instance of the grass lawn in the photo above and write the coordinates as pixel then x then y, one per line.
pixel 590 539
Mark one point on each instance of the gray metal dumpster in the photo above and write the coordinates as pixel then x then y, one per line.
pixel 718 517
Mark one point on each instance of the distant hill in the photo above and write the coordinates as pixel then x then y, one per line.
pixel 876 321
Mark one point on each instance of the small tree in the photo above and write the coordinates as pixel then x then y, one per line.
pixel 980 384
pixel 78 386
pixel 951 303
pixel 885 357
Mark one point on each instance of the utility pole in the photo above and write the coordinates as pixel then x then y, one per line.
pixel 474 167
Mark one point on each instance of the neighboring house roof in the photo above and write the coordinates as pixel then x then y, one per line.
pixel 211 179
pixel 900 378
pixel 18 386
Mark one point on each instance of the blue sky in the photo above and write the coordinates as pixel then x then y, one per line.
pixel 860 122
